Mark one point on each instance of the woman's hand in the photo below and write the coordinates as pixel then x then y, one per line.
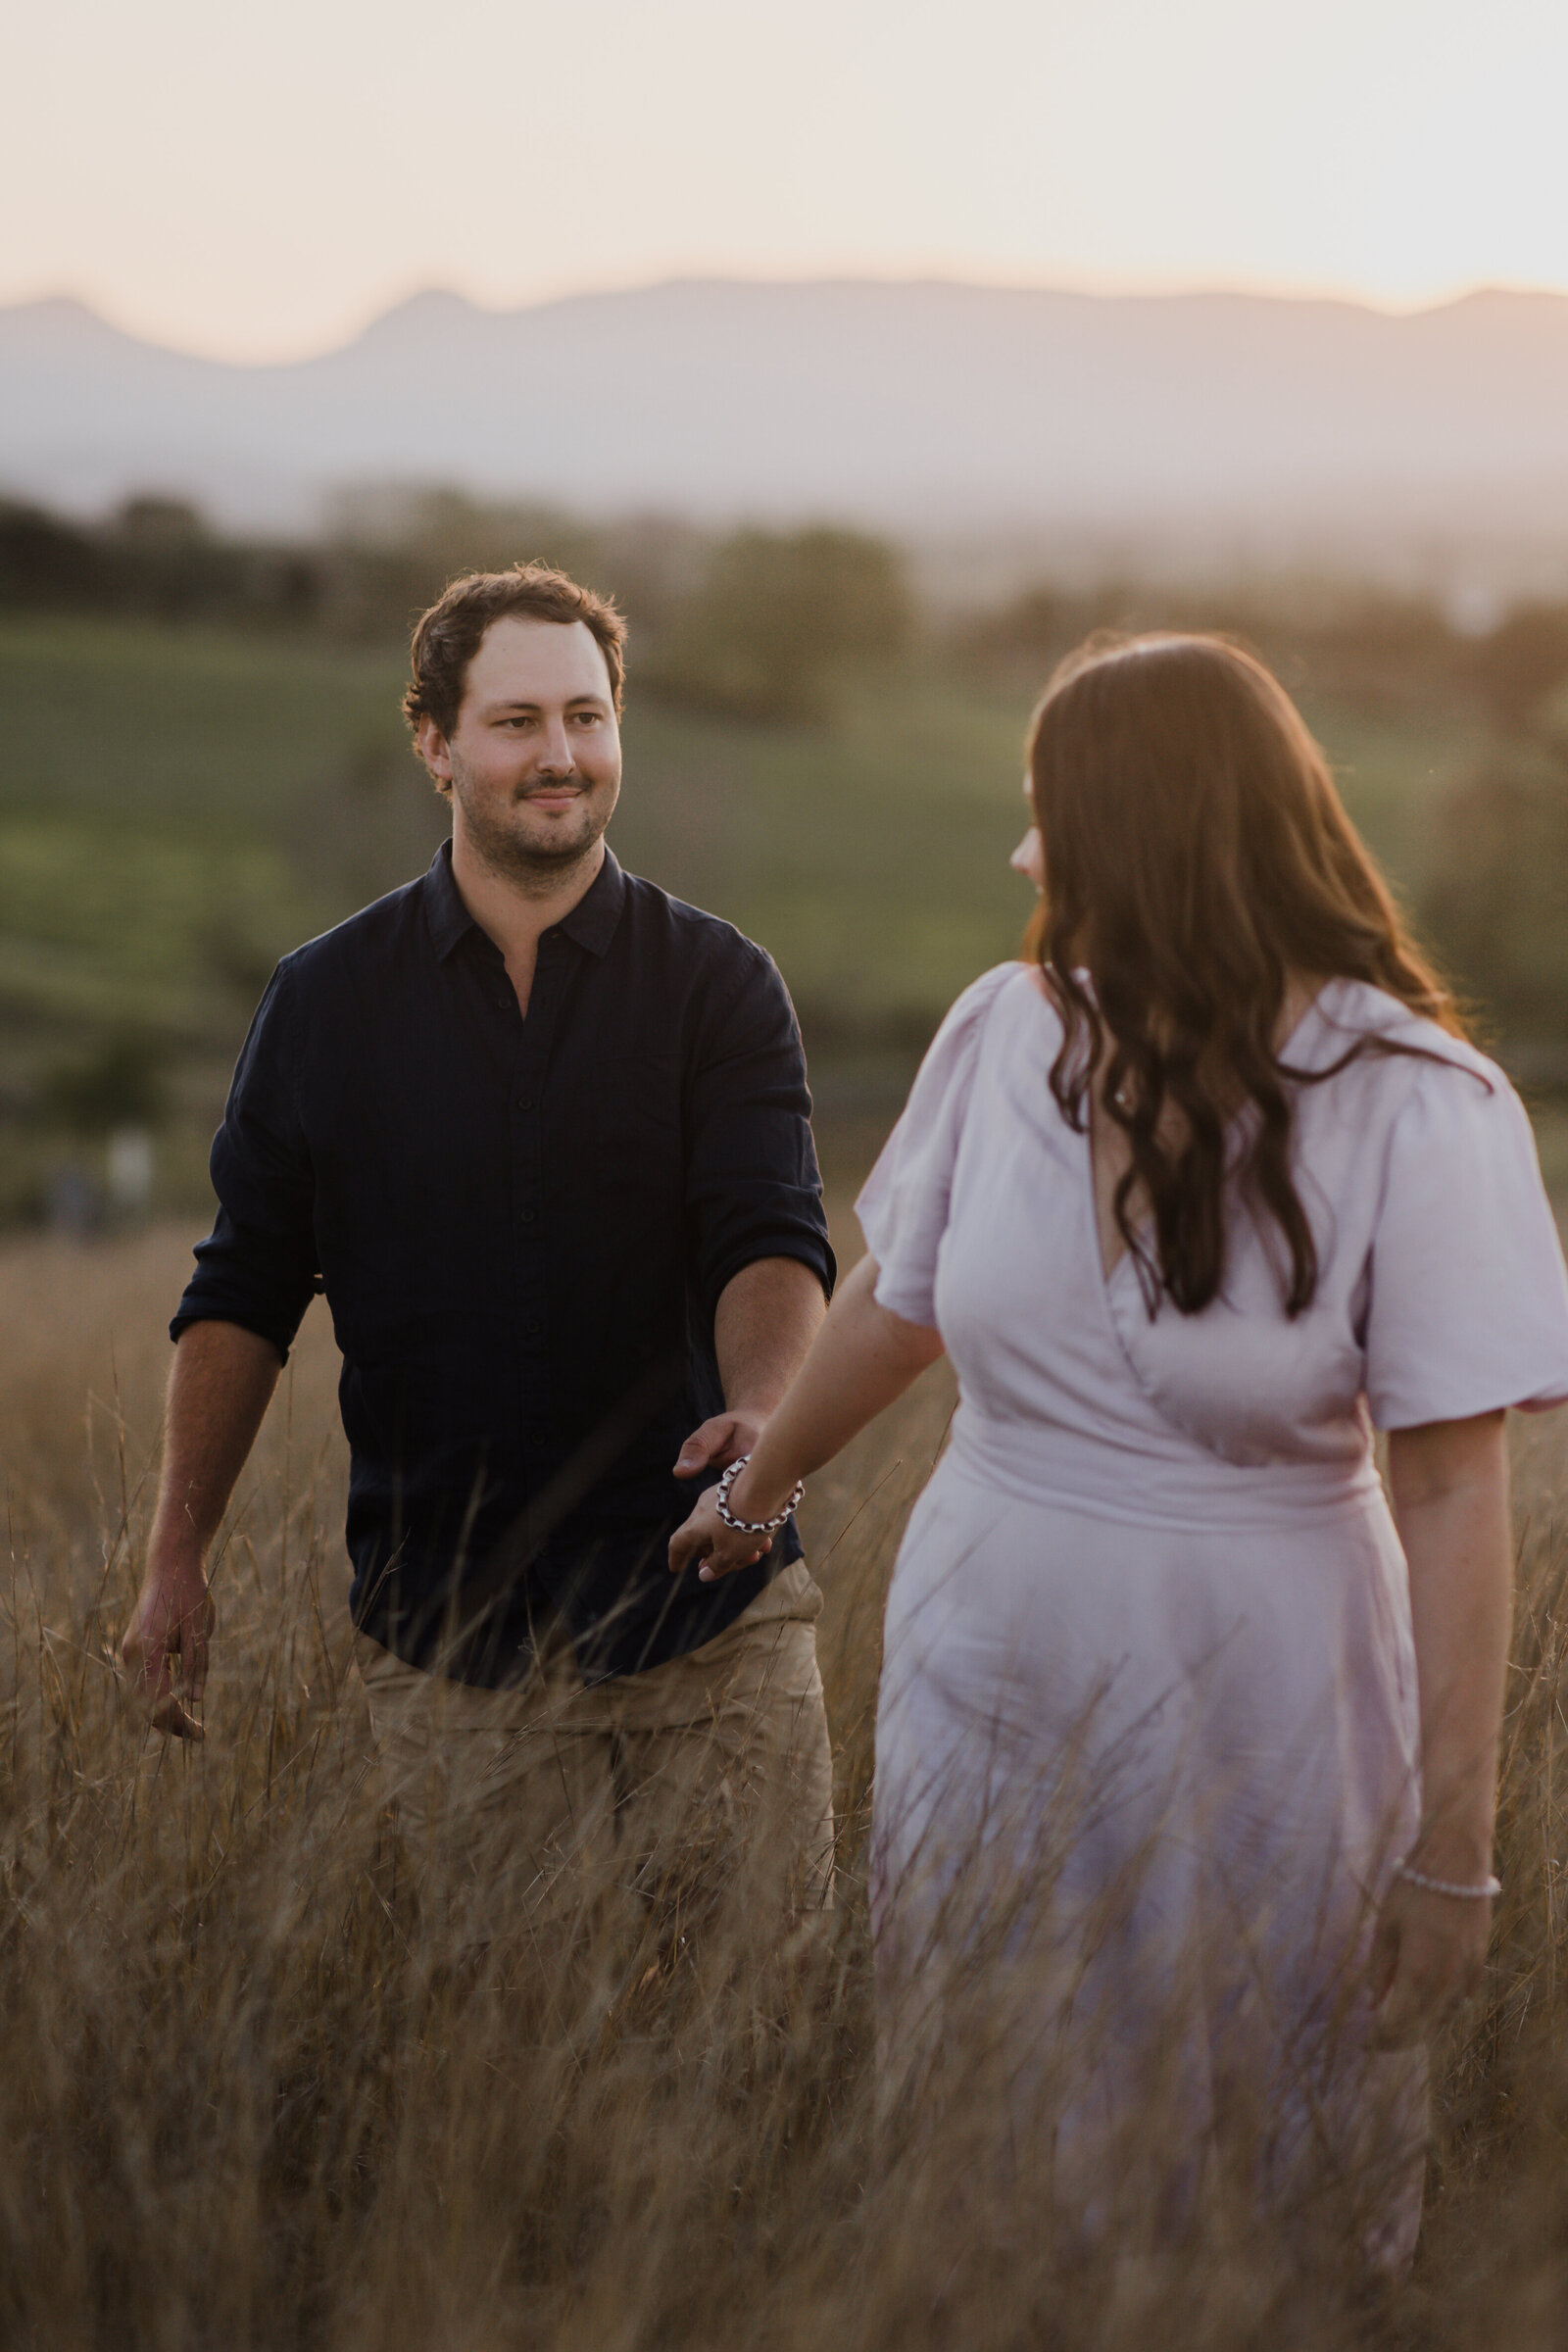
pixel 721 1550
pixel 1428 1953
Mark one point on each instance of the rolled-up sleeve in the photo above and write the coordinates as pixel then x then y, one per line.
pixel 753 1189
pixel 257 1267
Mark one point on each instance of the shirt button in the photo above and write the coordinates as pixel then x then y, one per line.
pixel 534 1326
pixel 527 1216
pixel 526 1102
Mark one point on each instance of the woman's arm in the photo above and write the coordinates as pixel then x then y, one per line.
pixel 860 1360
pixel 1449 1486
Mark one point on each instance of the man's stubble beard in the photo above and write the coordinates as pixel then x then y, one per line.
pixel 534 870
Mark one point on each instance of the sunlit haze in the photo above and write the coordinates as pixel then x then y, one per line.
pixel 256 183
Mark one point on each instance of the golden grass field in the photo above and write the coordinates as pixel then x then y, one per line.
pixel 251 2097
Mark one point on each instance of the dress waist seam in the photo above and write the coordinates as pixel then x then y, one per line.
pixel 1294 1491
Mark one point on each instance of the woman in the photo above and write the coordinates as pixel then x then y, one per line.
pixel 1195 1198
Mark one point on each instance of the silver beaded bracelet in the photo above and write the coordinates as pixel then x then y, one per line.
pixel 1475 1894
pixel 751 1527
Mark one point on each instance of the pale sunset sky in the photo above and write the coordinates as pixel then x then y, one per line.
pixel 256 183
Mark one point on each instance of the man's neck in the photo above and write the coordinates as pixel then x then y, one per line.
pixel 505 905
pixel 512 913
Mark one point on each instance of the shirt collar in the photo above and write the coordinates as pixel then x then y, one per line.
pixel 591 922
pixel 448 917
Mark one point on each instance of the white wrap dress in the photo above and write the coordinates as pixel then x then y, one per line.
pixel 1151 1620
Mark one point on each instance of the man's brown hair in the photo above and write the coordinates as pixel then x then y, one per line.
pixel 448 636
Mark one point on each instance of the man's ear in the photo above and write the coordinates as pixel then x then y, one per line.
pixel 431 745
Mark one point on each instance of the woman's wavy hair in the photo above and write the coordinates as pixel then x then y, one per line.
pixel 1197 857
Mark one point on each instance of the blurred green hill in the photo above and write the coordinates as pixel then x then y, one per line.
pixel 191 783
pixel 178 806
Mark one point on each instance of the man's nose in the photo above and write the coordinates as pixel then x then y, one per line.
pixel 555 758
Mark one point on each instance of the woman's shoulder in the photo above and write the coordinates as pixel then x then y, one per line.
pixel 904 1204
pixel 970 1013
pixel 970 1035
pixel 1347 1012
pixel 976 1000
pixel 1432 1101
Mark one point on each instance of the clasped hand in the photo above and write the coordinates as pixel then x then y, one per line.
pixel 704 1537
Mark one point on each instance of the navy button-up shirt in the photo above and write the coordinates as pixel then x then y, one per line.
pixel 522 1227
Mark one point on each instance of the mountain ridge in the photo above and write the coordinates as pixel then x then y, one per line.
pixel 923 406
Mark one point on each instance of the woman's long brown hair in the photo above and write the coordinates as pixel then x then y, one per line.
pixel 1197 859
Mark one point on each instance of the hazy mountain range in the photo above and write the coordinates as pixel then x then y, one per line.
pixel 1213 423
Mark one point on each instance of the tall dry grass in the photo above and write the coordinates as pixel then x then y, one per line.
pixel 254 2094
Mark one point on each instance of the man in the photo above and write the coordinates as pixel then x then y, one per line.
pixel 541 1134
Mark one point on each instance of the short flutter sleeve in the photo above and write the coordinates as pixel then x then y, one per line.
pixel 902 1206
pixel 1468 1309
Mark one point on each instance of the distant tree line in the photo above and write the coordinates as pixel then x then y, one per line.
pixel 1352 641
pixel 1493 898
pixel 1497 904
pixel 154 558
pixel 764 627
pixel 756 625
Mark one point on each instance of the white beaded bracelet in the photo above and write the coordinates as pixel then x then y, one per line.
pixel 751 1527
pixel 1476 1894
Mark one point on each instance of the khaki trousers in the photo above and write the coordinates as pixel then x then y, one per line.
pixel 711 1764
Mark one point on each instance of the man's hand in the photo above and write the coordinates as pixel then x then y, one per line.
pixel 165 1649
pixel 717 1443
pixel 717 1549
pixel 222 1378
pixel 704 1537
pixel 1428 1953
pixel 861 1358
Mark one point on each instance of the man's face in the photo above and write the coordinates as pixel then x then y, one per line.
pixel 534 757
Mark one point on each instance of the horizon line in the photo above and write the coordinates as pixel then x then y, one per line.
pixel 1300 294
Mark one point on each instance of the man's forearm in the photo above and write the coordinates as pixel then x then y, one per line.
pixel 219 1390
pixel 766 1318
pixel 222 1380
